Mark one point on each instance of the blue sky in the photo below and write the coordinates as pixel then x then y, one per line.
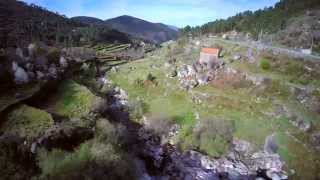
pixel 173 12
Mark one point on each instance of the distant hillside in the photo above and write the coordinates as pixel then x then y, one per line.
pixel 88 20
pixel 21 23
pixel 267 20
pixel 301 32
pixel 154 32
pixel 173 27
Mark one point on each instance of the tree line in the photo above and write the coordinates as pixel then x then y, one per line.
pixel 268 20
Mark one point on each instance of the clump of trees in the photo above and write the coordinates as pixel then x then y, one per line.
pixel 268 20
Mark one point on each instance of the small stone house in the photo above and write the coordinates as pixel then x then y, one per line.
pixel 209 56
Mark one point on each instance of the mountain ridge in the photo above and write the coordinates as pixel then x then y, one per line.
pixel 154 32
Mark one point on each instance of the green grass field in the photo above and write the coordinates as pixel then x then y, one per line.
pixel 250 113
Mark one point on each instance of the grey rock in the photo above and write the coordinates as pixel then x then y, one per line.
pixel 270 145
pixel 250 56
pixel 53 71
pixel 14 66
pixel 236 57
pixel 33 148
pixel 31 75
pixel 300 123
pixel 315 139
pixel 63 62
pixel 19 53
pixel 21 76
pixel 31 49
pixel 242 147
pixel 40 75
pixel 203 79
pixel 269 162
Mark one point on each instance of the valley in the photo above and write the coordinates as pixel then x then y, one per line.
pixel 125 98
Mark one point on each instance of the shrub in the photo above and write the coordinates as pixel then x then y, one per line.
pixel 137 108
pixel 58 164
pixel 215 136
pixel 277 88
pixel 53 55
pixel 159 124
pixel 211 136
pixel 93 160
pixel 294 68
pixel 139 82
pixel 187 118
pixel 265 64
pixel 104 153
pixel 27 122
pixel 151 78
pixel 106 131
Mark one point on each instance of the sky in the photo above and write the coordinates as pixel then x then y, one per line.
pixel 179 13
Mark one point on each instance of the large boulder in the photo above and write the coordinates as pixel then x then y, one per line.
pixel 242 147
pixel 20 75
pixel 65 137
pixel 52 71
pixel 270 145
pixel 63 62
pixel 32 49
pixel 271 163
pixel 119 98
pixel 26 122
pixel 315 139
pixel 301 123
pixel 187 77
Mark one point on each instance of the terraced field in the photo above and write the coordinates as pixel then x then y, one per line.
pixel 107 49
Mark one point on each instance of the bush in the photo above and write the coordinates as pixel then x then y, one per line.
pixel 137 108
pixel 59 164
pixel 265 64
pixel 278 88
pixel 159 124
pixel 53 55
pixel 215 136
pixel 151 78
pixel 107 132
pixel 139 82
pixel 187 118
pixel 93 160
pixel 211 136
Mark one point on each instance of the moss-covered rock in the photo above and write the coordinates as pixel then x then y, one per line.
pixel 26 121
pixel 74 101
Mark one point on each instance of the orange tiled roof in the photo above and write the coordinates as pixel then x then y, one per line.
pixel 213 51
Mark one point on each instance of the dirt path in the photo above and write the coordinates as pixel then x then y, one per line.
pixel 278 50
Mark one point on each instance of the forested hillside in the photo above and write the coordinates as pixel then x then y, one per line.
pixel 22 23
pixel 268 20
